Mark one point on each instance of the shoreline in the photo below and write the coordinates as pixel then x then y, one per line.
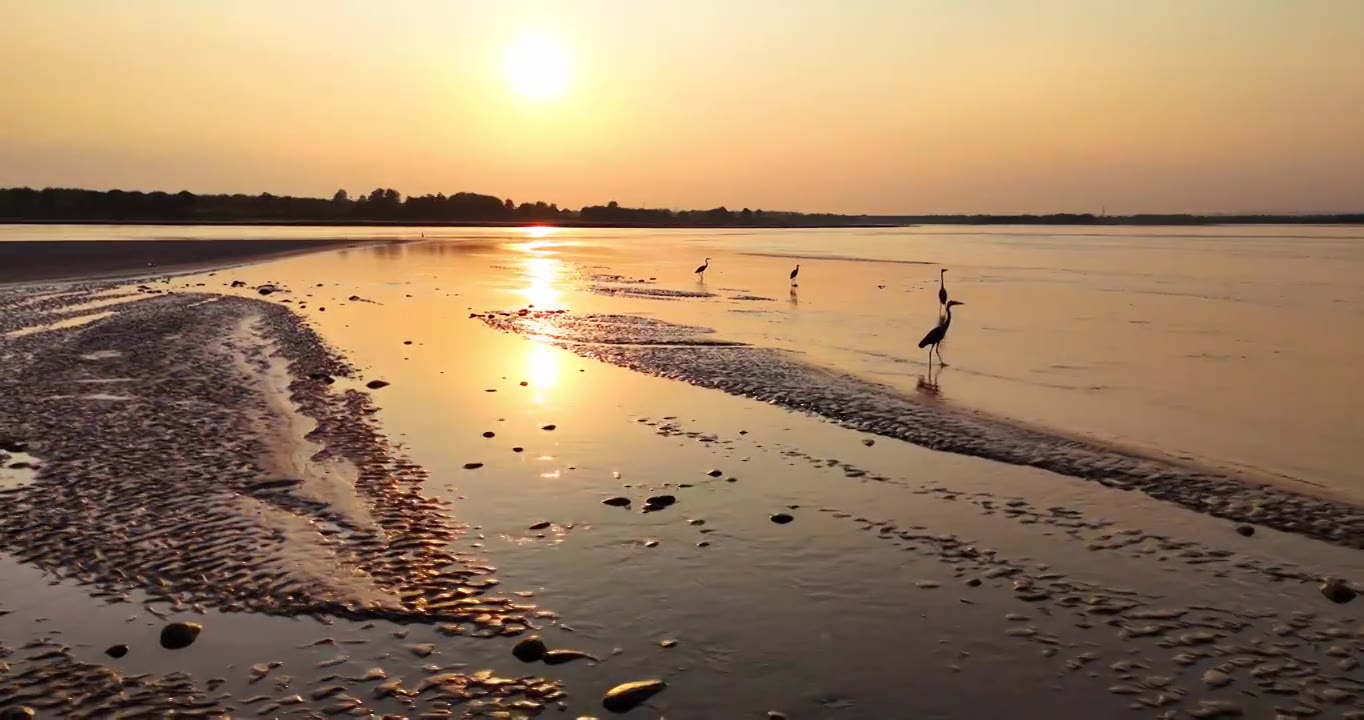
pixel 872 223
pixel 28 261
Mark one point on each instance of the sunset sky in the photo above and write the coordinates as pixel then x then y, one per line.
pixel 880 106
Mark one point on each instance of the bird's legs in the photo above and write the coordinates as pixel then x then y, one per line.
pixel 940 360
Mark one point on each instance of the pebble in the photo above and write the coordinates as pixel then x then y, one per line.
pixel 117 651
pixel 973 582
pixel 178 635
pixel 868 442
pixel 376 384
pixel 774 715
pixel 661 500
pixel 559 657
pixel 1216 678
pixel 548 427
pixel 626 696
pixel 1337 591
pixel 715 473
pixel 472 466
pixel 616 501
pixel 781 518
pixel 489 434
pixel 530 649
pixel 1246 530
pixel 651 543
pixel 18 712
pixel 667 643
pixel 540 525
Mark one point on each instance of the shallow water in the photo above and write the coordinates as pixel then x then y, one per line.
pixel 1091 599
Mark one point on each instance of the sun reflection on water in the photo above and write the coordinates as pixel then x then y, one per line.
pixel 542 368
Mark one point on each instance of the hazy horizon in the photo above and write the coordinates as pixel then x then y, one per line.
pixel 874 107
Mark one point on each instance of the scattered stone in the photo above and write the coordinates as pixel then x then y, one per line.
pixel 667 644
pixel 376 384
pixel 781 518
pixel 774 715
pixel 489 434
pixel 625 697
pixel 518 449
pixel 651 543
pixel 548 427
pixel 1337 591
pixel 117 651
pixel 472 466
pixel 238 283
pixel 265 289
pixel 1246 530
pixel 868 442
pixel 540 525
pixel 530 649
pixel 616 501
pixel 703 543
pixel 973 582
pixel 179 635
pixel 422 649
pixel 661 500
pixel 715 473
pixel 18 712
pixel 407 342
pixel 696 521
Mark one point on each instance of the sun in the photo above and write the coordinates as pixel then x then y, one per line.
pixel 538 68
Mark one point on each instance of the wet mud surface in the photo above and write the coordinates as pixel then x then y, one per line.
pixel 689 354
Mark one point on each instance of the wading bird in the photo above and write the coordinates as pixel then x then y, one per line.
pixel 794 273
pixel 938 334
pixel 942 289
pixel 701 271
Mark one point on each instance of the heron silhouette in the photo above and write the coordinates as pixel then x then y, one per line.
pixel 701 271
pixel 794 273
pixel 939 333
pixel 942 288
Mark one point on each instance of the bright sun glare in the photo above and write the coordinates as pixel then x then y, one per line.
pixel 538 68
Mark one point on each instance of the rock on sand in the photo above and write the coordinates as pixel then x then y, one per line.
pixel 179 635
pixel 625 697
pixel 530 649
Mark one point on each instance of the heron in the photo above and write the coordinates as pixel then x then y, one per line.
pixel 942 289
pixel 939 333
pixel 701 271
pixel 794 273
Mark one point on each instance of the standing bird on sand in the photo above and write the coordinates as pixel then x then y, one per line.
pixel 938 334
pixel 701 271
pixel 794 273
pixel 942 289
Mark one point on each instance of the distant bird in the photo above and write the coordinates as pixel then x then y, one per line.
pixel 794 273
pixel 942 289
pixel 702 270
pixel 939 333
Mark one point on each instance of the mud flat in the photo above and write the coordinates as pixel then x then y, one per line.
pixel 194 453
pixel 691 354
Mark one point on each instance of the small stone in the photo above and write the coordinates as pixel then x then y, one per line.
pixel 625 697
pixel 616 501
pixel 868 442
pixel 518 449
pixel 422 649
pixel 973 582
pixel 774 715
pixel 178 635
pixel 703 543
pixel 1337 591
pixel 651 543
pixel 529 649
pixel 489 434
pixel 1216 678
pixel 781 518
pixel 715 473
pixel 472 466
pixel 1246 530
pixel 667 644
pixel 18 712
pixel 548 427
pixel 696 521
pixel 559 657
pixel 376 384
pixel 117 651
pixel 407 342
pixel 661 500
pixel 540 525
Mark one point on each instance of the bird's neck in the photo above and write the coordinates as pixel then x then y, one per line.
pixel 947 320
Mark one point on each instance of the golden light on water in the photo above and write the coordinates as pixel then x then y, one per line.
pixel 542 368
pixel 538 67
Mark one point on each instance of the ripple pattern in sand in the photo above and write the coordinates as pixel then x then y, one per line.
pixel 195 491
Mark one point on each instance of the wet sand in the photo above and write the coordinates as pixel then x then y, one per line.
pixel 27 261
pixel 210 454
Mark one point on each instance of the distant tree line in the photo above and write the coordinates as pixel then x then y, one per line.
pixel 386 205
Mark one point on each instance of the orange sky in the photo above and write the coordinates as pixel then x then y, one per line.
pixel 877 106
